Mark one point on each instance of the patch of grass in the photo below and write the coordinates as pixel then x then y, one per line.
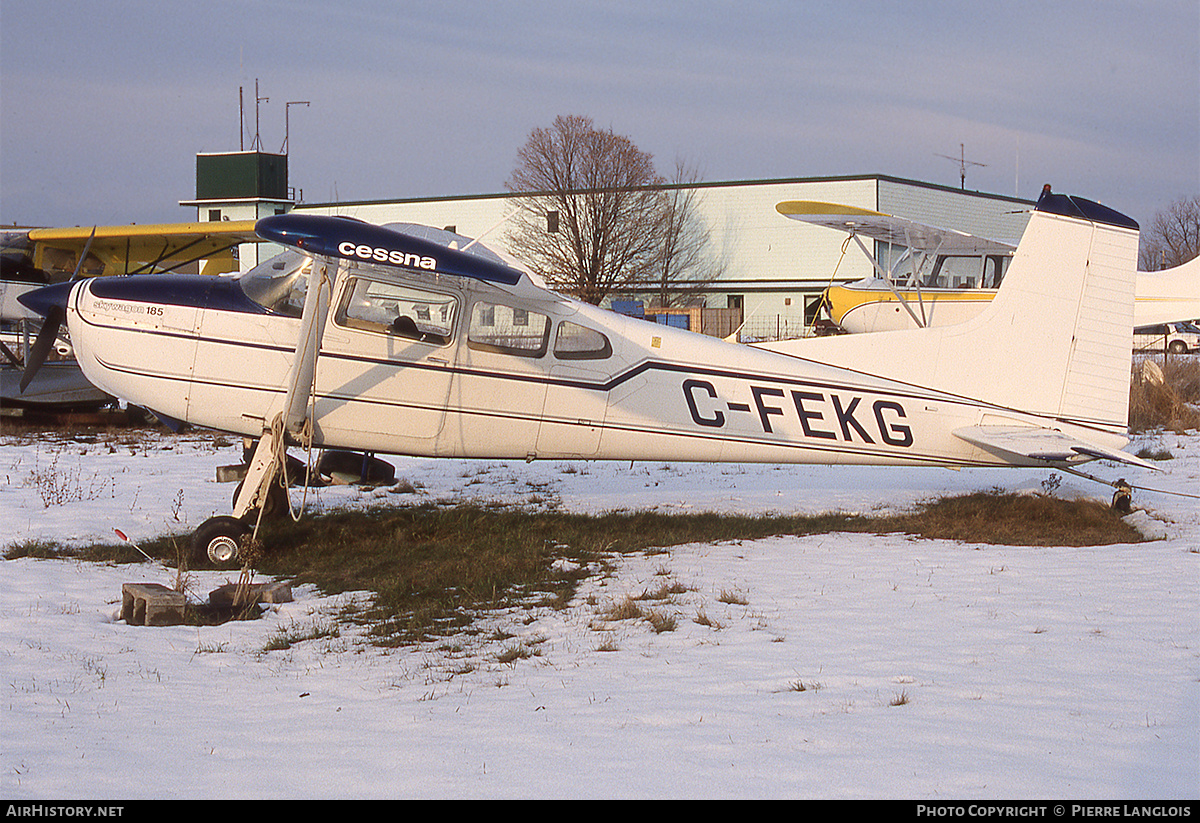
pixel 702 619
pixel 732 598
pixel 661 621
pixel 287 636
pixel 434 570
pixel 1015 520
pixel 40 549
pixel 1166 397
pixel 627 609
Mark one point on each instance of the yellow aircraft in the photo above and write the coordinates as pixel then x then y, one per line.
pixel 946 277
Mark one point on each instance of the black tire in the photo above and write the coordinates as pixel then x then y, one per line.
pixel 1178 347
pixel 295 469
pixel 218 541
pixel 364 468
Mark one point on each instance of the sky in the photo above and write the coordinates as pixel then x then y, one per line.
pixel 103 106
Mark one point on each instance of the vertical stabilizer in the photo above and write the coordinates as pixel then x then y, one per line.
pixel 1056 340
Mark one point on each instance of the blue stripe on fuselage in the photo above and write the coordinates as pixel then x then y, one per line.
pixel 198 291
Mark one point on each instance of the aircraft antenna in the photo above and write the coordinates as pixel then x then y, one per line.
pixel 963 162
pixel 286 127
pixel 257 144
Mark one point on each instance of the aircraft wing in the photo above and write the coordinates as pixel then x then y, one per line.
pixel 135 249
pixel 888 228
pixel 1044 445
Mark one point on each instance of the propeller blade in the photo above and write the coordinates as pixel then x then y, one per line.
pixel 49 303
pixel 42 345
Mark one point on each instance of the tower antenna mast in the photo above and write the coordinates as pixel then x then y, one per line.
pixel 963 162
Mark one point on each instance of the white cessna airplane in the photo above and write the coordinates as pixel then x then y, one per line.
pixel 375 339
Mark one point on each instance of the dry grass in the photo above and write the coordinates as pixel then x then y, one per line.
pixel 1015 520
pixel 434 571
pixel 1171 403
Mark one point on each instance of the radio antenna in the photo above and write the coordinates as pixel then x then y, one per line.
pixel 963 162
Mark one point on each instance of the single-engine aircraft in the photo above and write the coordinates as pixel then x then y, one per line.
pixel 375 339
pixel 33 258
pixel 940 277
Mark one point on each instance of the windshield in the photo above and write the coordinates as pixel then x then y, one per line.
pixel 280 283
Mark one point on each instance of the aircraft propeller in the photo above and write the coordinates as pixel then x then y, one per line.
pixel 53 308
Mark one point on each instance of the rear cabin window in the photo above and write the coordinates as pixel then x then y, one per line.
pixel 576 342
pixel 508 330
pixel 398 309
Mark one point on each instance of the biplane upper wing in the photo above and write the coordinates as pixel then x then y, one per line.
pixel 887 228
pixel 135 249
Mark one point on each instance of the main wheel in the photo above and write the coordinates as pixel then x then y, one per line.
pixel 219 540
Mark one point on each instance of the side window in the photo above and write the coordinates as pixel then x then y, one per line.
pixel 954 272
pixel 575 342
pixel 508 330
pixel 397 309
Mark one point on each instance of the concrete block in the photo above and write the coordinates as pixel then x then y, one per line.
pixel 277 592
pixel 231 474
pixel 151 604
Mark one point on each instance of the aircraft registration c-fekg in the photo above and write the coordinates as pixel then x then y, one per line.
pixel 371 338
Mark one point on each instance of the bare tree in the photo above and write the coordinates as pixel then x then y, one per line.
pixel 590 208
pixel 684 268
pixel 1173 237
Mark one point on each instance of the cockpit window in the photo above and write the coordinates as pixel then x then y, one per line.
pixel 398 309
pixel 953 271
pixel 280 283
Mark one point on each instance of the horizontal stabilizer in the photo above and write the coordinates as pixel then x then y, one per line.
pixel 1043 445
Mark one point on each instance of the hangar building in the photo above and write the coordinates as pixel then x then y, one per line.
pixel 773 269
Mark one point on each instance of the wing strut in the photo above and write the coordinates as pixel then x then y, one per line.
pixel 886 277
pixel 295 420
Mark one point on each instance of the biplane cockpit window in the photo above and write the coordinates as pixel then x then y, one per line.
pixel 508 330
pixel 398 309
pixel 954 272
pixel 994 266
pixel 576 342
pixel 280 283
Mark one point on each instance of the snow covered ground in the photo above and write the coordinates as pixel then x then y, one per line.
pixel 836 666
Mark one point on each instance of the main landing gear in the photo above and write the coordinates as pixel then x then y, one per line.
pixel 262 495
pixel 226 540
